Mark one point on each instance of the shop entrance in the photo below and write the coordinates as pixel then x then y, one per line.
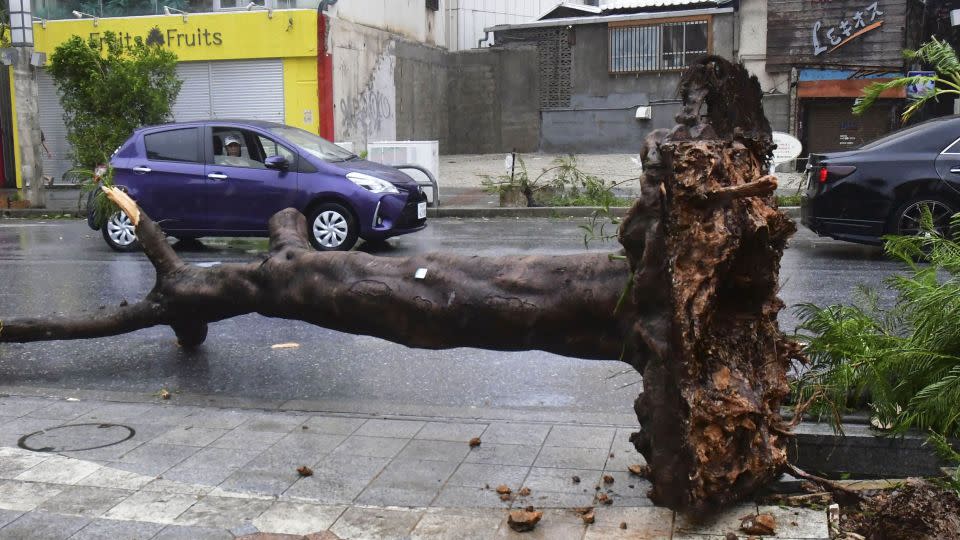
pixel 830 126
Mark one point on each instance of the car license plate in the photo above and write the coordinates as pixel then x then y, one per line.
pixel 422 210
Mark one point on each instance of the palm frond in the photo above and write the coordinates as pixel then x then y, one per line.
pixel 938 54
pixel 872 92
pixel 903 358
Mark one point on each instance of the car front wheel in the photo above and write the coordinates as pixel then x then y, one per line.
pixel 907 220
pixel 332 227
pixel 120 233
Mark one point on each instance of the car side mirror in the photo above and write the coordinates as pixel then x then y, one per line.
pixel 279 163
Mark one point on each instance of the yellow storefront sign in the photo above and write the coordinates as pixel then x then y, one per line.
pixel 199 36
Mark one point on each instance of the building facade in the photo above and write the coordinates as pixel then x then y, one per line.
pixel 241 64
pixel 606 80
pixel 830 51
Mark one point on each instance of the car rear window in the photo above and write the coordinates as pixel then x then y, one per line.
pixel 174 145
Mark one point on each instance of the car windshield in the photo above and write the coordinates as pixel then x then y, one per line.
pixel 313 144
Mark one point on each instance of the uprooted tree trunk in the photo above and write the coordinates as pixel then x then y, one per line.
pixel 704 243
pixel 693 306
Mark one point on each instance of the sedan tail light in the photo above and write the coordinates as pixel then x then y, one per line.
pixel 828 173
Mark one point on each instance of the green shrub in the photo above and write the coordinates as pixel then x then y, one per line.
pixel 903 360
pixel 563 183
pixel 108 89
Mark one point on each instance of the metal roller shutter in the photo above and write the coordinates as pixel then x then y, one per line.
pixel 247 89
pixel 831 125
pixel 230 89
pixel 54 130
pixel 193 102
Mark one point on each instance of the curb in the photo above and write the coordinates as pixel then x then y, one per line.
pixel 33 213
pixel 450 212
pixel 547 212
pixel 523 212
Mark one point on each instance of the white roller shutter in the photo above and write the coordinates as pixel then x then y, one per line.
pixel 251 89
pixel 54 130
pixel 193 101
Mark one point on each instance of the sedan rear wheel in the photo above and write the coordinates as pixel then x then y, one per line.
pixel 332 228
pixel 909 218
pixel 120 233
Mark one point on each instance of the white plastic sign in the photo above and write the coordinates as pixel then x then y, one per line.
pixel 788 148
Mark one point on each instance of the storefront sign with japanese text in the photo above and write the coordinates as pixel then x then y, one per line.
pixel 827 39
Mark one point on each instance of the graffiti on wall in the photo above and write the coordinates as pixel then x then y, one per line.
pixel 366 113
pixel 367 101
pixel 859 23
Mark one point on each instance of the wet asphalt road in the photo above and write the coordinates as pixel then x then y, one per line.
pixel 63 267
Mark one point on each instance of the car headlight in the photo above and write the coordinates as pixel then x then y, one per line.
pixel 372 183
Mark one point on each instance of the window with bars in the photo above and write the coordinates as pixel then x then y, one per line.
pixel 657 47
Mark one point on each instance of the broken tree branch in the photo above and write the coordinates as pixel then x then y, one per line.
pixel 561 304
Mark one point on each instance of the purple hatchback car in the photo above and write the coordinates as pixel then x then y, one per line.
pixel 228 177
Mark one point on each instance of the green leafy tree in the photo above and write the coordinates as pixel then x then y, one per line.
pixel 4 23
pixel 935 53
pixel 108 89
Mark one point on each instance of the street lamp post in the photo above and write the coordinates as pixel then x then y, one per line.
pixel 21 23
pixel 27 122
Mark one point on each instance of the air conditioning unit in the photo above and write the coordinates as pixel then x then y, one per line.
pixel 433 5
pixel 644 112
pixel 425 154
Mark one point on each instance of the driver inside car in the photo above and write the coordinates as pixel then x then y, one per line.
pixel 233 155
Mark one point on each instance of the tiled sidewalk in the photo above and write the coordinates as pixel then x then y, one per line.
pixel 162 470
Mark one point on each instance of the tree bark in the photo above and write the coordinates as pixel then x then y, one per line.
pixel 560 304
pixel 693 306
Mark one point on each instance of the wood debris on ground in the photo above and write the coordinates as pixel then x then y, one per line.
pixel 523 520
pixel 758 524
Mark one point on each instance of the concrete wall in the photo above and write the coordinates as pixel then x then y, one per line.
pixel 601 117
pixel 389 88
pixel 26 98
pixel 421 90
pixel 488 100
pixel 493 101
pixel 751 44
pixel 364 91
pixel 776 107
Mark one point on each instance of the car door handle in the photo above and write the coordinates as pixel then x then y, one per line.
pixel 217 176
pixel 955 170
pixel 142 170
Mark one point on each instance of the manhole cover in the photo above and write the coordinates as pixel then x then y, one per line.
pixel 76 437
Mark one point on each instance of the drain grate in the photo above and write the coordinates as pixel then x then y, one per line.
pixel 76 437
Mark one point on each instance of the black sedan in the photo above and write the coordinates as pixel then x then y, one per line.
pixel 882 187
